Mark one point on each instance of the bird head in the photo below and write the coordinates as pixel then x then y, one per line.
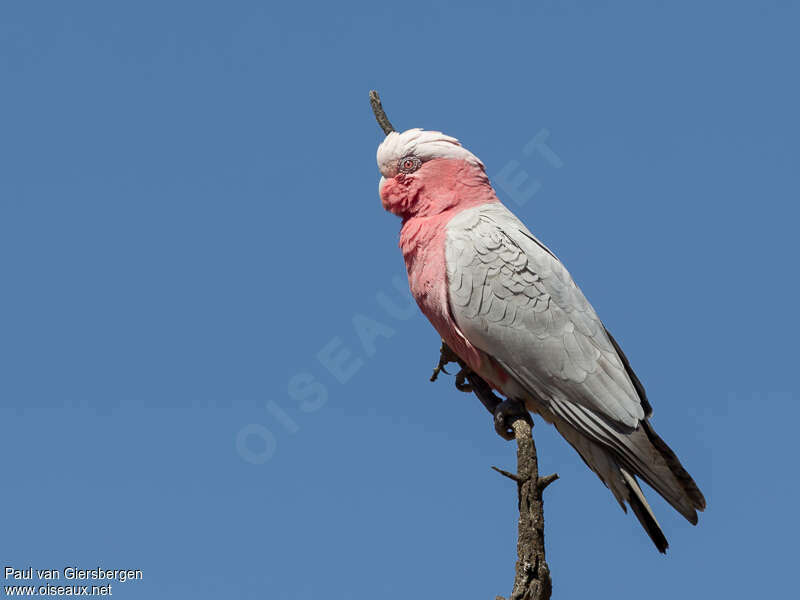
pixel 423 171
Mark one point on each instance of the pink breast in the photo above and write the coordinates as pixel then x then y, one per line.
pixel 427 201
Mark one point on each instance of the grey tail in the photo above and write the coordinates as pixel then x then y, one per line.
pixel 644 513
pixel 687 483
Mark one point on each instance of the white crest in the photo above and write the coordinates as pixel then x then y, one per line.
pixel 425 145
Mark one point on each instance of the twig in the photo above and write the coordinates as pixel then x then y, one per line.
pixel 380 115
pixel 511 476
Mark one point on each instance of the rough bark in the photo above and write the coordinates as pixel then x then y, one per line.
pixel 532 580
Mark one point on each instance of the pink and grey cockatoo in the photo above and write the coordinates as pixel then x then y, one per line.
pixel 505 304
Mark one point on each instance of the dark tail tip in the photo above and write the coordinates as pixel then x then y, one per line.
pixel 649 523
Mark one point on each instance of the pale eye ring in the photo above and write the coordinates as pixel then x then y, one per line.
pixel 409 164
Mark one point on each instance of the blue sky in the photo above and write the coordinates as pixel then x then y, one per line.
pixel 189 217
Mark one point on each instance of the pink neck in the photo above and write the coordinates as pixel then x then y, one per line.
pixel 427 202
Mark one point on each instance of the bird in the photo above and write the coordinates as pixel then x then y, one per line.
pixel 510 310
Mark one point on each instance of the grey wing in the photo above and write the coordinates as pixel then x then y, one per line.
pixel 514 300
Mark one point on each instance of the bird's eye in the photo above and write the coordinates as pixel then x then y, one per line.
pixel 409 164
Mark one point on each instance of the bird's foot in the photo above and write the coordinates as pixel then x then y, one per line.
pixel 506 413
pixel 462 385
pixel 446 356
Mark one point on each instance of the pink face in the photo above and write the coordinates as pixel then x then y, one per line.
pixel 419 187
pixel 425 172
pixel 398 194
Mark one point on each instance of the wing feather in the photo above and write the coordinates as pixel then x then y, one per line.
pixel 514 300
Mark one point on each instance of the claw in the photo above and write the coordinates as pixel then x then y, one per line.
pixel 446 356
pixel 461 381
pixel 506 413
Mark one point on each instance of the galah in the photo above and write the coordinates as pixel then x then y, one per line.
pixel 503 302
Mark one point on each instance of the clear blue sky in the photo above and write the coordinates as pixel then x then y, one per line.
pixel 189 217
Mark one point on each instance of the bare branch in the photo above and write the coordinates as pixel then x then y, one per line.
pixel 511 476
pixel 380 115
pixel 532 575
pixel 532 580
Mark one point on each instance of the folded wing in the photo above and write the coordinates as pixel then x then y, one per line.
pixel 513 299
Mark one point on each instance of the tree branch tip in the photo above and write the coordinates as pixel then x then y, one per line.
pixel 546 480
pixel 511 476
pixel 380 114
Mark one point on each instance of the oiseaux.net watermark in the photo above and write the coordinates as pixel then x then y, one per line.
pixel 65 581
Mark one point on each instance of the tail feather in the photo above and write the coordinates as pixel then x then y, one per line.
pixel 655 464
pixel 639 453
pixel 674 464
pixel 644 513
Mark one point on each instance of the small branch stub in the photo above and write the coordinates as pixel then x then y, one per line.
pixel 547 480
pixel 380 114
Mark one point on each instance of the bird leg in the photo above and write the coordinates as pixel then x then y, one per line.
pixel 505 412
pixel 446 356
pixel 484 392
